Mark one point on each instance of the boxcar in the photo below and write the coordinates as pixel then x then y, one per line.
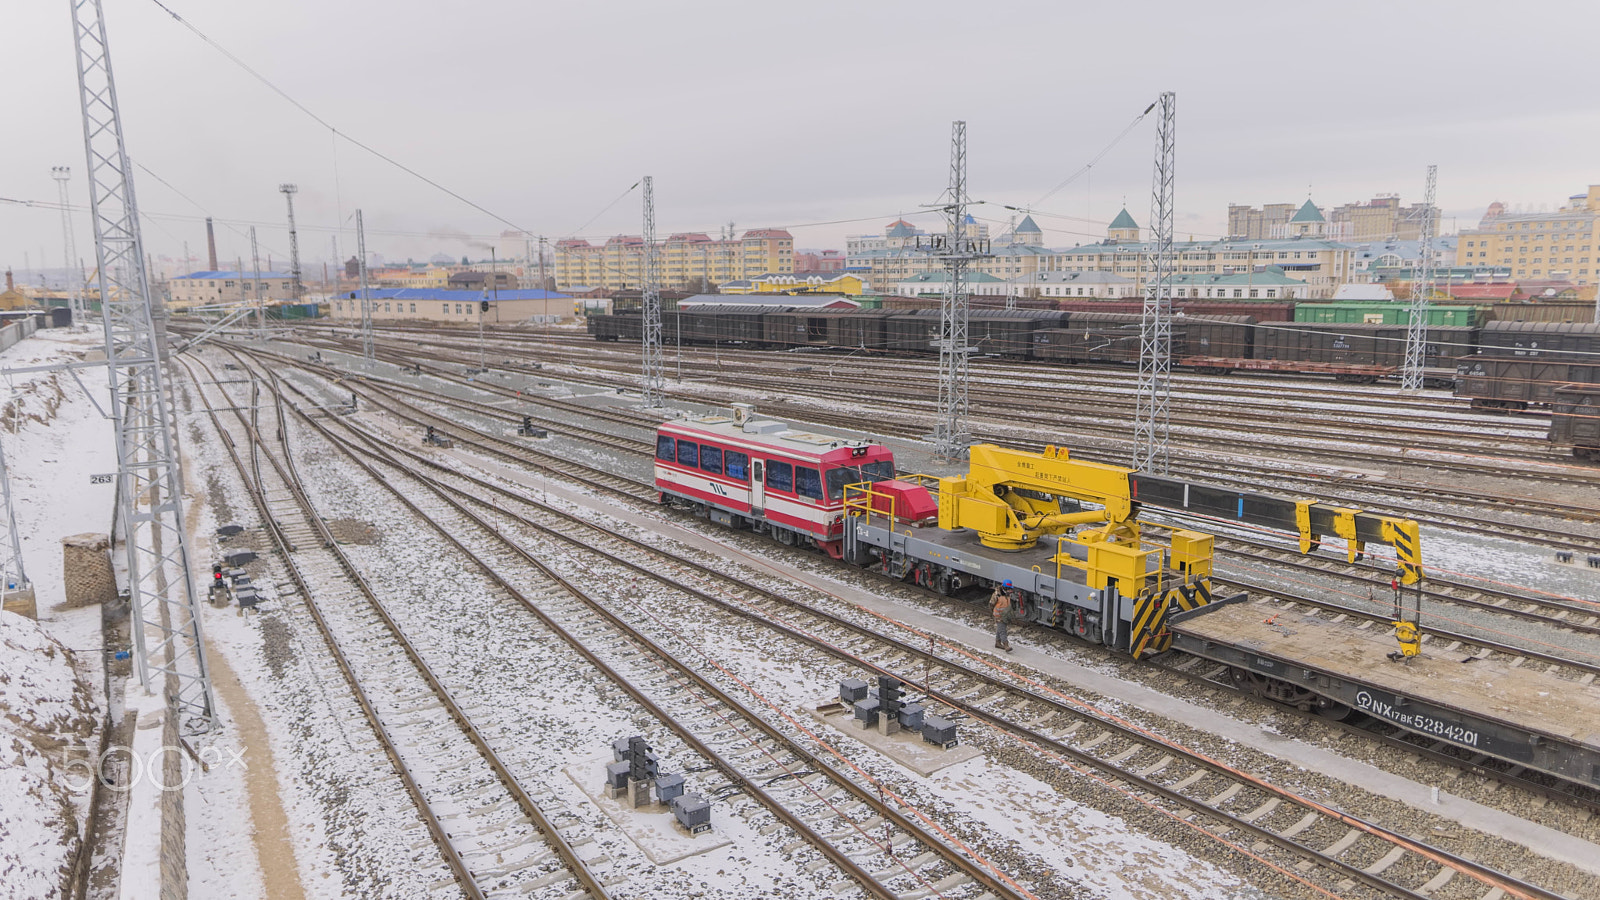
pixel 1090 337
pixel 798 328
pixel 724 324
pixel 913 331
pixel 859 329
pixel 1539 339
pixel 1009 332
pixel 1358 345
pixel 1575 420
pixel 1508 382
pixel 1227 337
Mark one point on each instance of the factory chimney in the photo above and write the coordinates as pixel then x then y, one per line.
pixel 211 245
pixel 10 285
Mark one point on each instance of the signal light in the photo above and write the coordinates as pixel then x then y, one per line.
pixel 890 690
pixel 483 305
pixel 216 572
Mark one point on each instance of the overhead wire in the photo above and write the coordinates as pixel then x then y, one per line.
pixel 330 126
pixel 1099 156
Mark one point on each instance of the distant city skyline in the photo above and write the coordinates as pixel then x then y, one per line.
pixel 548 119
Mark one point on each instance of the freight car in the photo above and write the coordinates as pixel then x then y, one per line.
pixel 1575 420
pixel 1212 344
pixel 1520 364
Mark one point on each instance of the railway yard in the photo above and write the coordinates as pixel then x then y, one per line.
pixel 448 586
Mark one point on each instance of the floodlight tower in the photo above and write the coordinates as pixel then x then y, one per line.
pixel 654 375
pixel 1153 411
pixel 296 286
pixel 167 634
pixel 1421 287
pixel 951 436
pixel 63 174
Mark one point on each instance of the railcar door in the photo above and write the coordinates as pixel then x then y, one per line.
pixel 758 487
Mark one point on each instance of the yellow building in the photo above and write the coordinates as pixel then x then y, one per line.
pixel 1554 246
pixel 429 277
pixel 797 284
pixel 689 261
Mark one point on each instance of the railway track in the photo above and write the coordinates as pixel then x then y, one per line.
pixel 1560 472
pixel 1346 851
pixel 890 854
pixel 995 379
pixel 489 828
pixel 1571 615
pixel 1280 477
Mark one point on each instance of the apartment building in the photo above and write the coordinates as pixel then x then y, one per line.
pixel 688 258
pixel 1563 245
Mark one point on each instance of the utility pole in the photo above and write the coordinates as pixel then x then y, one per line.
pixel 1421 287
pixel 654 377
pixel 162 601
pixel 543 284
pixel 296 285
pixel 366 300
pixel 62 174
pixel 1153 409
pixel 261 307
pixel 951 436
pixel 1011 282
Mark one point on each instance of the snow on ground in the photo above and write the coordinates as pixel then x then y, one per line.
pixel 45 709
pixel 50 672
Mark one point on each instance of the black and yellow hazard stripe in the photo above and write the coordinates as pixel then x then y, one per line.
pixel 1150 633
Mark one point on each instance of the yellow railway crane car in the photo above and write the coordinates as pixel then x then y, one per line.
pixel 1066 534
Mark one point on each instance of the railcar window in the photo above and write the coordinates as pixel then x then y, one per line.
pixel 664 448
pixel 737 465
pixel 711 459
pixel 808 483
pixel 780 476
pixel 881 470
pixel 688 453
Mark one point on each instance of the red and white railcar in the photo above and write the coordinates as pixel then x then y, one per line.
pixel 744 471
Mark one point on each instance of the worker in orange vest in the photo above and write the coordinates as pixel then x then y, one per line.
pixel 1004 606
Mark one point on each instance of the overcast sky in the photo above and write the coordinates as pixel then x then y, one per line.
pixel 787 114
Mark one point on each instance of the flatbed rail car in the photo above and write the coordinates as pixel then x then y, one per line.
pixel 1575 420
pixel 1516 714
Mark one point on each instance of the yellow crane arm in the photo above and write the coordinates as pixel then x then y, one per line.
pixel 1012 497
